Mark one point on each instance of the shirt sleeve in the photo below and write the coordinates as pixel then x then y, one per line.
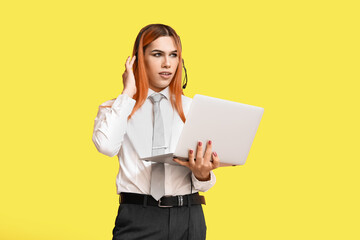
pixel 110 124
pixel 203 186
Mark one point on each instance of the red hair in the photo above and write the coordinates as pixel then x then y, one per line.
pixel 147 35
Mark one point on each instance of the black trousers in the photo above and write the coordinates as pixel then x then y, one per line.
pixel 135 221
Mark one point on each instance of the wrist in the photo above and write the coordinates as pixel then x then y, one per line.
pixel 128 92
pixel 203 178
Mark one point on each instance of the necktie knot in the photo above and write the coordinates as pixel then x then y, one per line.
pixel 156 97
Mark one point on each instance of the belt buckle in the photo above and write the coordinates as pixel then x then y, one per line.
pixel 180 201
pixel 163 206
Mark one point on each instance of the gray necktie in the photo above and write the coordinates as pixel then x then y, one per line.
pixel 157 189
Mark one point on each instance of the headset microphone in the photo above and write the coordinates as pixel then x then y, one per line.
pixel 184 84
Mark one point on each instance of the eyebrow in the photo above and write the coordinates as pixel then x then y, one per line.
pixel 156 50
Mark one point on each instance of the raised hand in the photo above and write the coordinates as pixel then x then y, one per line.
pixel 202 166
pixel 129 78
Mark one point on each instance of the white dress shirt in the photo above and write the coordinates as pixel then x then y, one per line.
pixel 131 139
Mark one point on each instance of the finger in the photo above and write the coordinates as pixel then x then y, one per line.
pixel 132 61
pixel 216 160
pixel 191 158
pixel 199 154
pixel 207 155
pixel 182 163
pixel 127 63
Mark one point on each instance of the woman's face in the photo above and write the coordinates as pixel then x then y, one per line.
pixel 161 62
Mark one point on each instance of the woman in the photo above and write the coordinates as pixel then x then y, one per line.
pixel 157 201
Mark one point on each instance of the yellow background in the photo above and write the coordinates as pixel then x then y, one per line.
pixel 299 60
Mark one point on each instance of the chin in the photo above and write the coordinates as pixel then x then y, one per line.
pixel 159 84
pixel 163 85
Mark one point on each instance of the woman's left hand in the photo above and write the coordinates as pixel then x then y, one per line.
pixel 202 166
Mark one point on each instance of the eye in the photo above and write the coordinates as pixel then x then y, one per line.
pixel 159 54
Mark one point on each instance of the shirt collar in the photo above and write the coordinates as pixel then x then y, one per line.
pixel 164 92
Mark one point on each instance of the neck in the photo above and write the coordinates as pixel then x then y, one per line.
pixel 155 89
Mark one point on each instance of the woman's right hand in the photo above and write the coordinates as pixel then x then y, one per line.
pixel 129 78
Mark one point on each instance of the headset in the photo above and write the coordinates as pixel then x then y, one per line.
pixel 136 54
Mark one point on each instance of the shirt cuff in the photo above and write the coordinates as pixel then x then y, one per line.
pixel 123 102
pixel 203 186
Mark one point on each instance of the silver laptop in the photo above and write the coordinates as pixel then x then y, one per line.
pixel 231 126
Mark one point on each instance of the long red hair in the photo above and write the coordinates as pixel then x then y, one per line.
pixel 146 35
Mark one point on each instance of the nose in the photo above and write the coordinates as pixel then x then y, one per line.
pixel 166 62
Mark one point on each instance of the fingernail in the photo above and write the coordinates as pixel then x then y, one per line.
pixel 209 142
pixel 191 151
pixel 215 154
pixel 200 143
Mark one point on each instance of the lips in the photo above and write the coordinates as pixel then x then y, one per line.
pixel 165 73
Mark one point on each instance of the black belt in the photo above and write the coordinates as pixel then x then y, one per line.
pixel 166 201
